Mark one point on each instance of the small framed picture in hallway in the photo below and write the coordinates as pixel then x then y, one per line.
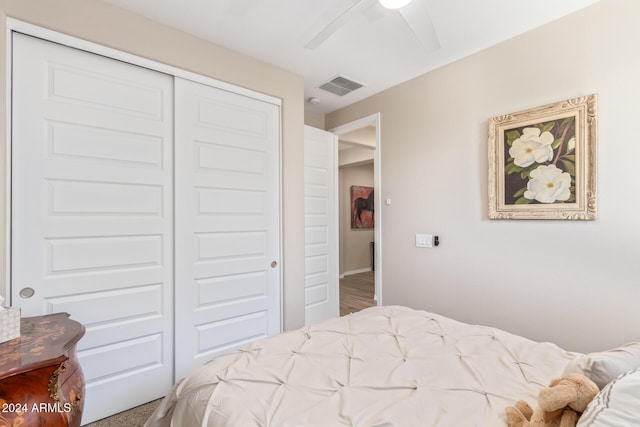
pixel 361 206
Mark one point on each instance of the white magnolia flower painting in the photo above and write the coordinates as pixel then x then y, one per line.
pixel 542 162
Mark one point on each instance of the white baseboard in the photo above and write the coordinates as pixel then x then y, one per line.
pixel 348 273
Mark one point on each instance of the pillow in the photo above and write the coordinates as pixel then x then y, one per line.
pixel 618 404
pixel 605 366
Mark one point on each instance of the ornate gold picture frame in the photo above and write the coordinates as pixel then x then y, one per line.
pixel 542 162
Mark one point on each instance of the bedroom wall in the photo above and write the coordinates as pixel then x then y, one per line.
pixel 355 254
pixel 108 25
pixel 314 119
pixel 572 283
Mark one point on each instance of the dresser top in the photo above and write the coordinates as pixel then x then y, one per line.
pixel 43 341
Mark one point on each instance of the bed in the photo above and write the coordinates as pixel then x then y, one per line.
pixel 384 366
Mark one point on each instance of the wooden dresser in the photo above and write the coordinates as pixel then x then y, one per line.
pixel 41 383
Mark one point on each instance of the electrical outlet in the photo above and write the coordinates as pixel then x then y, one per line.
pixel 424 240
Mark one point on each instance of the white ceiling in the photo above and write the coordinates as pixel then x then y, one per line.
pixel 368 44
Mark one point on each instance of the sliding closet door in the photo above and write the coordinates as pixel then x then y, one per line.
pixel 92 213
pixel 227 222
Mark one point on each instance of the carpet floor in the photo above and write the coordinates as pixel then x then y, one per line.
pixel 134 417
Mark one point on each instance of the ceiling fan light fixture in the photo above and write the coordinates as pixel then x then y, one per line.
pixel 394 4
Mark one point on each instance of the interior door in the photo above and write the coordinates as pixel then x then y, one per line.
pixel 92 214
pixel 227 222
pixel 322 298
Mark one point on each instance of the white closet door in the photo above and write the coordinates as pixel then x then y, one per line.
pixel 92 213
pixel 227 222
pixel 322 299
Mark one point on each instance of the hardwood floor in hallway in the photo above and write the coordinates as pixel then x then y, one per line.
pixel 356 292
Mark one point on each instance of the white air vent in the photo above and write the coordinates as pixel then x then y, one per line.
pixel 340 86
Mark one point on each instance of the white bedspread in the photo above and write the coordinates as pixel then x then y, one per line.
pixel 384 366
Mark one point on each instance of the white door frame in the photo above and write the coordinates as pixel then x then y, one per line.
pixel 372 120
pixel 16 25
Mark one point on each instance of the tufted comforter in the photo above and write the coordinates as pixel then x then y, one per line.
pixel 384 366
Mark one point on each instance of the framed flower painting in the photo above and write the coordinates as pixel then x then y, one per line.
pixel 542 162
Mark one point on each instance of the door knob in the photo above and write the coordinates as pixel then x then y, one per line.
pixel 27 292
pixel 274 264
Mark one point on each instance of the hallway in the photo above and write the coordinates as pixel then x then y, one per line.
pixel 356 292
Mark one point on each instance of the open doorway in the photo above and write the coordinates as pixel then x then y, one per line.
pixel 359 220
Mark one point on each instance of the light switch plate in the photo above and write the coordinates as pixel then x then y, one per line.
pixel 424 240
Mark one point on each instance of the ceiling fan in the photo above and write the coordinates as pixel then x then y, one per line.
pixel 414 12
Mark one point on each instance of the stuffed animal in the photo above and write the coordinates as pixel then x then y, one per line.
pixel 559 405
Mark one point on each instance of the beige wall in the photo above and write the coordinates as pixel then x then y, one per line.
pixel 315 120
pixel 104 24
pixel 356 155
pixel 354 243
pixel 573 283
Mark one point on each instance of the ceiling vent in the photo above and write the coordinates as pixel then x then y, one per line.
pixel 340 86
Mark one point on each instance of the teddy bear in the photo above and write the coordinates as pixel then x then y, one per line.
pixel 559 405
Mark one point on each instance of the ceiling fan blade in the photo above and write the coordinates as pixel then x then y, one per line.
pixel 416 14
pixel 338 22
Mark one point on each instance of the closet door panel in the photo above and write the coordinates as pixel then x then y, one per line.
pixel 227 222
pixel 92 213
